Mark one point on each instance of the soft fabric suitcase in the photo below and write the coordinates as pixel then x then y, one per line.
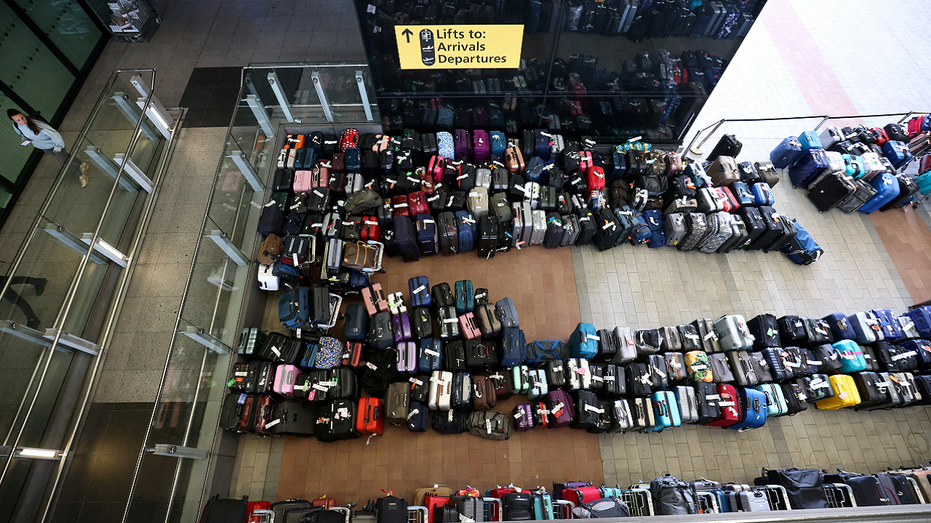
pixel 728 145
pixel 707 401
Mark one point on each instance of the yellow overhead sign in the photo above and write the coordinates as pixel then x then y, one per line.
pixel 459 46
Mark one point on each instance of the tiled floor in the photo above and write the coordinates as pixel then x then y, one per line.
pixel 802 58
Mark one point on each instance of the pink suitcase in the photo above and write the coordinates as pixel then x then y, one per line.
pixel 407 357
pixel 436 166
pixel 481 145
pixel 302 181
pixel 285 377
pixel 374 299
pixel 469 327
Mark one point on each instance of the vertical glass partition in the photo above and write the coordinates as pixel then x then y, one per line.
pixel 66 284
pixel 273 99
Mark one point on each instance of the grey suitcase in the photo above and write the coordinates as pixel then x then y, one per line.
pixel 397 402
pixel 478 202
pixel 627 351
pixel 538 231
pixel 733 333
pixel 522 224
pixel 697 230
pixel 483 177
pixel 675 229
pixel 742 367
pixel 571 223
pixel 863 194
pixel 738 235
pixel 720 368
pixel 688 405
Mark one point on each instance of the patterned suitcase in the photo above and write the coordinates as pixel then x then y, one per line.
pixel 697 230
pixel 719 231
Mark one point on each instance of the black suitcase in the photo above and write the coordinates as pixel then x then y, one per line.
pixel 638 379
pixel 405 236
pixel 505 236
pixel 448 232
pixel 231 411
pixel 765 331
pixel 344 383
pixel 607 229
pixel 586 227
pixel 225 510
pixel 830 190
pixel 488 237
pixel 295 419
pixel 554 231
pixel 343 416
pixel 422 323
pixel 454 356
pixel 787 233
pixel 586 410
pixel 796 399
pixel 707 400
pixel 872 389
pixel 773 229
pixel 728 145
pixel 754 223
pixel 614 382
pixel 792 330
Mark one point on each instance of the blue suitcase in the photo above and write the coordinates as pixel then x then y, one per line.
pixel 426 234
pixel 850 356
pixel 353 160
pixel 584 342
pixel 665 410
pixel 786 153
pixel 921 316
pixel 656 222
pixel 810 140
pixel 802 249
pixel 466 231
pixel 294 307
pixel 889 325
pixel 534 171
pixel 541 147
pixel 355 322
pixel 465 297
pixel 743 194
pixel 897 153
pixel 887 188
pixel 405 237
pixel 840 327
pixel 513 347
pixel 506 312
pixel 811 165
pixel 420 291
pixel 430 355
pixel 762 194
pixel 418 417
pixel 752 413
pixel 498 143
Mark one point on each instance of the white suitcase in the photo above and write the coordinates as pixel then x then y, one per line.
pixel 538 227
pixel 578 374
pixel 267 280
pixel 441 387
pixel 532 194
pixel 478 202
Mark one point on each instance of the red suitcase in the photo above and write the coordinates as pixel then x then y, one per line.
pixel 417 203
pixel 371 230
pixel 399 205
pixel 595 178
pixel 730 406
pixel 324 502
pixel 431 502
pixel 371 417
pixel 426 181
pixel 581 495
pixel 728 199
pixel 436 166
pixel 348 139
pixel 352 356
pixel 257 505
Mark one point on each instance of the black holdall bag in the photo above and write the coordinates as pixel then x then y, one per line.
pixel 804 487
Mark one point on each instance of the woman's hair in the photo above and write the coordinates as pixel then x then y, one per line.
pixel 30 123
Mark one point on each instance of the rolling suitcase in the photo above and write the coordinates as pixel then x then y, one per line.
pixel 830 190
pixel 845 394
pixel 753 412
pixel 887 188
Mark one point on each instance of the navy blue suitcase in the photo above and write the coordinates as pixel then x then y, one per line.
pixel 840 327
pixel 405 237
pixel 466 231
pixel 786 153
pixel 420 291
pixel 810 166
pixel 426 234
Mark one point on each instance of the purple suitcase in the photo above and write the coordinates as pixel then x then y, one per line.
pixel 407 357
pixel 481 148
pixel 523 418
pixel 463 145
pixel 561 407
pixel 401 326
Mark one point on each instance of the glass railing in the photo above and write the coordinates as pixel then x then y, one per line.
pixel 67 282
pixel 176 459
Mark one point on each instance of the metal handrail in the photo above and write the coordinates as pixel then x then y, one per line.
pixel 824 119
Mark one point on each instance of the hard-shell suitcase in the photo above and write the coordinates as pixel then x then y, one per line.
pixel 707 402
pixel 753 413
pixel 732 333
pixel 465 297
pixel 776 404
pixel 397 403
pixel 666 411
pixel 887 188
pixel 849 355
pixel 675 229
pixel 845 394
pixel 441 390
pixel 561 409
pixel 688 405
pixel 730 405
pixel 864 192
pixel 728 145
pixel 786 153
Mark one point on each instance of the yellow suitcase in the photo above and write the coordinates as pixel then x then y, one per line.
pixel 845 394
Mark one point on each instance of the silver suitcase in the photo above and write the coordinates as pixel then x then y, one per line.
pixel 628 348
pixel 483 177
pixel 622 419
pixel 688 406
pixel 522 226
pixel 538 231
pixel 532 194
pixel 675 229
pixel 830 136
pixel 571 223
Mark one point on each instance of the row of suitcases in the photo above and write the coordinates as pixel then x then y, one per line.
pixel 851 168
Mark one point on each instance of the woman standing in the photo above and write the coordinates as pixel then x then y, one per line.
pixel 45 138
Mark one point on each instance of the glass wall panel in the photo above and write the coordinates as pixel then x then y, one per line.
pixel 67 25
